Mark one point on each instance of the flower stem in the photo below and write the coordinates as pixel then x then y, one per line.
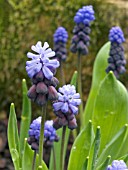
pixel 34 159
pixel 80 87
pixel 62 73
pixel 42 135
pixel 62 155
pixel 54 157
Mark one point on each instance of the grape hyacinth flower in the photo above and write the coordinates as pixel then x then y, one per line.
pixel 66 107
pixel 49 133
pixel 81 39
pixel 117 165
pixel 60 39
pixel 41 70
pixel 116 58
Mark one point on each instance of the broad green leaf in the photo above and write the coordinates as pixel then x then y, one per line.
pixel 94 150
pixel 57 146
pixel 28 156
pixel 25 116
pixel 104 164
pixel 111 147
pixel 13 138
pixel 99 73
pixel 111 108
pixel 80 148
pixel 85 163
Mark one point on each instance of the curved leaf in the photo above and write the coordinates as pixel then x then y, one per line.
pixel 13 138
pixel 99 73
pixel 25 117
pixel 111 108
pixel 80 148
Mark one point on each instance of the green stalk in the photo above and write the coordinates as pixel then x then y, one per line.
pixel 34 161
pixel 42 135
pixel 80 87
pixel 62 77
pixel 62 157
pixel 54 157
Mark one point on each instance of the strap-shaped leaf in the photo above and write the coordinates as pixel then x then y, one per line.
pixel 28 158
pixel 13 138
pixel 104 164
pixel 93 153
pixel 25 116
pixel 80 148
pixel 99 73
pixel 111 108
pixel 113 148
pixel 57 146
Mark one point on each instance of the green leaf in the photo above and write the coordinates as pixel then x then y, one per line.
pixel 104 164
pixel 57 146
pixel 13 138
pixel 80 148
pixel 25 116
pixel 111 108
pixel 93 153
pixel 99 73
pixel 28 156
pixel 111 147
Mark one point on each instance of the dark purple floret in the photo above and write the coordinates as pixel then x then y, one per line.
pixel 116 58
pixel 81 31
pixel 60 39
pixel 66 107
pixel 34 133
pixel 117 165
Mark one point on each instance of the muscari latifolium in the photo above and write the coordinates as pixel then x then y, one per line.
pixel 87 152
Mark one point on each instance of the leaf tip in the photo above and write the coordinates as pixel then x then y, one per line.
pixel 126 125
pixel 12 104
pixel 24 80
pixel 98 127
pixel 109 156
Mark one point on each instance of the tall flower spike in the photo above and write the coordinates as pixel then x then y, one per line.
pixel 60 39
pixel 41 61
pixel 49 133
pixel 81 39
pixel 66 107
pixel 117 165
pixel 116 58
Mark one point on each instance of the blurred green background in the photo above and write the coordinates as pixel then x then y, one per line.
pixel 24 22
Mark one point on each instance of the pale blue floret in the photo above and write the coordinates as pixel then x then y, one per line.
pixel 60 35
pixel 117 165
pixel 41 61
pixel 68 99
pixel 116 35
pixel 84 15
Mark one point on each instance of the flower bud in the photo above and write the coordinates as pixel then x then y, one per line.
pixel 41 99
pixel 72 124
pixel 41 88
pixel 54 81
pixel 52 93
pixel 32 92
pixel 56 124
pixel 39 76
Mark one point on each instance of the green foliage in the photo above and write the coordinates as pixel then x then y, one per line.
pixel 98 75
pixel 13 138
pixel 25 116
pixel 81 147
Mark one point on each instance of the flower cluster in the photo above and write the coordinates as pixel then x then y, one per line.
pixel 116 58
pixel 49 133
pixel 117 165
pixel 60 39
pixel 41 69
pixel 66 107
pixel 81 39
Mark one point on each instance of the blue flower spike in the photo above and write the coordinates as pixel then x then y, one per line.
pixel 41 69
pixel 41 61
pixel 49 133
pixel 116 58
pixel 60 38
pixel 81 38
pixel 117 165
pixel 66 107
